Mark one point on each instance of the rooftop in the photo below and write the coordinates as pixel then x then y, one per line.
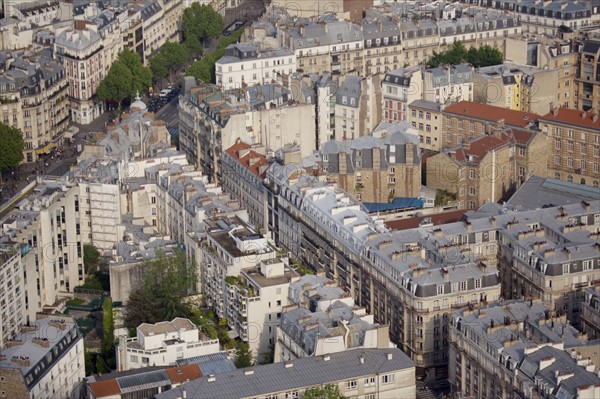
pixel 573 117
pixel 38 347
pixel 308 371
pixel 539 192
pixel 141 379
pixel 491 113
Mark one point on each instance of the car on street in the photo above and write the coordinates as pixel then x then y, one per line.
pixel 164 93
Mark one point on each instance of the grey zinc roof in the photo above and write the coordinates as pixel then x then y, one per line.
pixel 350 88
pixel 430 105
pixel 78 40
pixel 308 371
pixel 213 363
pixel 538 192
pixel 563 363
pixel 319 35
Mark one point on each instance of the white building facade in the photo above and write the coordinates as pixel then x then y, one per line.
pixel 163 344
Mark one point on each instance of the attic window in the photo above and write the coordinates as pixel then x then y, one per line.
pixel 352 101
pixel 344 100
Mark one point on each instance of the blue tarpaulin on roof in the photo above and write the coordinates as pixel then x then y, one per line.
pixel 397 204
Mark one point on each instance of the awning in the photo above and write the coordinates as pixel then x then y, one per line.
pixel 46 149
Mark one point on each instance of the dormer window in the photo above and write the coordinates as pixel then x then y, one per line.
pixel 344 100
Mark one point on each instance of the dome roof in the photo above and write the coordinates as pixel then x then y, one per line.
pixel 138 104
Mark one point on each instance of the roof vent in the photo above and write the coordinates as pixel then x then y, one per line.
pixel 389 356
pixel 326 358
pixel 249 372
pixel 211 378
pixel 289 365
pixel 362 359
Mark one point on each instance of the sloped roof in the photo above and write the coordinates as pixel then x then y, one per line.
pixel 471 109
pixel 574 117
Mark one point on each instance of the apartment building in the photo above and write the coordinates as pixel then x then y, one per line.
pixel 163 344
pixel 303 332
pixel 244 171
pixel 255 301
pixel 426 116
pixel 487 168
pixel 334 47
pixel 80 50
pixel 588 78
pixel 549 54
pixel 448 84
pixel 230 247
pixel 357 106
pixel 161 21
pixel 590 316
pixel 573 145
pixel 554 258
pixel 465 120
pixel 518 87
pixel 211 120
pixel 244 63
pixel 518 349
pixel 382 49
pixel 46 360
pixel 544 17
pixel 33 90
pixel 50 222
pixel 385 373
pixel 12 292
pixel 400 87
pixel 375 168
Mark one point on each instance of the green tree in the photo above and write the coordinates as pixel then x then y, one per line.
pixel 169 58
pixel 108 327
pixel 101 366
pixel 90 364
pixel 328 391
pixel 168 280
pixel 141 308
pixel 142 77
pixel 198 23
pixel 91 258
pixel 126 77
pixel 11 150
pixel 478 57
pixel 243 356
pixel 117 84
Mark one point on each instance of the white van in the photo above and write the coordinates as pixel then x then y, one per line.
pixel 164 93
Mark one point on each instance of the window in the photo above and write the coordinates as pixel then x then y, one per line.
pixel 566 268
pixel 392 180
pixel 387 379
pixel 370 396
pixel 462 286
pixel 440 289
pixel 570 162
pixel 583 149
pixel 392 170
pixel 587 265
pixel 557 144
pixel 134 359
pixel 472 174
pixel 351 384
pixel 582 164
pixel 477 283
pixel 570 146
pixel 291 395
pixel 471 190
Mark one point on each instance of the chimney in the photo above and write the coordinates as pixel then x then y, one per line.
pixel 183 393
pixel 362 359
pixel 389 356
pixel 326 358
pixel 583 115
pixel 211 378
pixel 79 24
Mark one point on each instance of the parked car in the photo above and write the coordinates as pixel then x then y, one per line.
pixel 164 93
